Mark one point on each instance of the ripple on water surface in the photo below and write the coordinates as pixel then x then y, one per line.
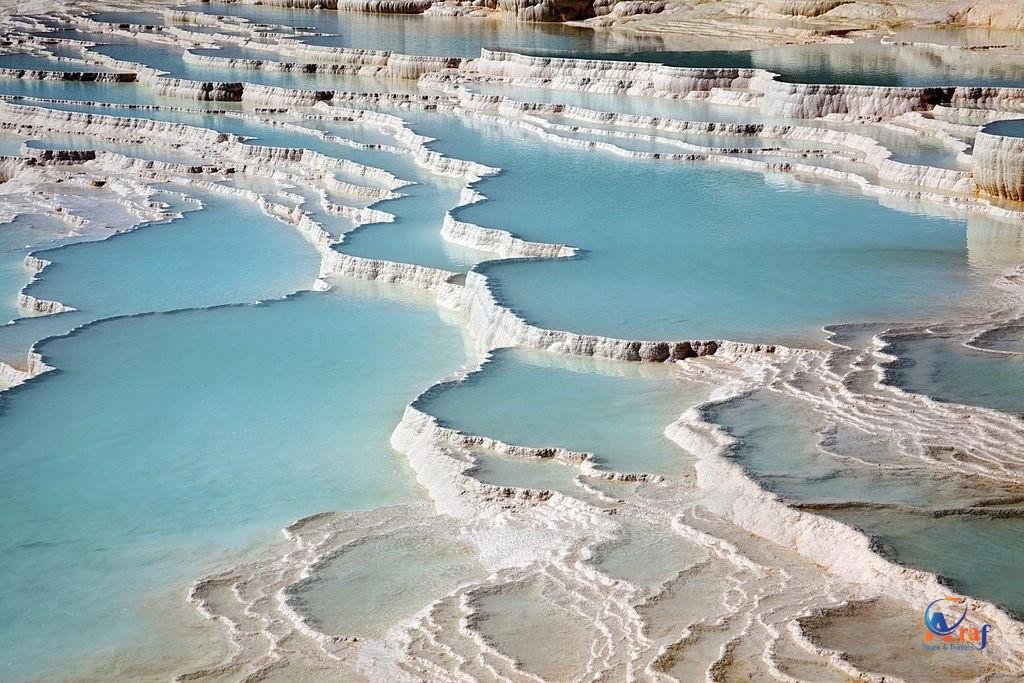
pixel 166 439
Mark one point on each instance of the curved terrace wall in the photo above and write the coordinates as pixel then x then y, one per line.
pixel 999 159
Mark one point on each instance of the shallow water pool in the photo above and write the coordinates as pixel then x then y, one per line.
pixel 169 454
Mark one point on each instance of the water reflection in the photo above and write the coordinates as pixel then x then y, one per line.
pixel 861 63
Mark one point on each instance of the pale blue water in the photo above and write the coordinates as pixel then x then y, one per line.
pixel 615 410
pixel 688 251
pixel 411 34
pixel 227 253
pixel 168 443
pixel 978 554
pixel 169 452
pixel 42 63
pixel 865 62
pixel 70 32
pixel 414 236
pixel 17 239
pixel 114 17
pixel 68 50
pixel 779 444
pixel 945 369
pixel 107 92
pixel 10 144
pixel 169 60
pixel 1011 127
pixel 862 63
pixel 96 144
pixel 528 473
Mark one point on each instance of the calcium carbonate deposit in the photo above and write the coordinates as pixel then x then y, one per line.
pixel 428 345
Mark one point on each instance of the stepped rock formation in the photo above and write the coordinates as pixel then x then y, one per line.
pixel 999 165
pixel 773 575
pixel 547 10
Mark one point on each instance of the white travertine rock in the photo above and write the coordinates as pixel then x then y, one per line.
pixel 970 117
pixel 547 10
pixel 1003 99
pixel 805 101
pixel 999 165
pixel 492 325
pixel 251 158
pixel 500 242
pixel 11 376
pixel 374 6
pixel 842 550
pixel 804 8
pixel 77 76
pixel 874 154
pixel 337 61
pixel 647 78
pixel 35 306
pixel 515 529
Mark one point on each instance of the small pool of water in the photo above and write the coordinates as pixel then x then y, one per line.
pixel 203 259
pixel 372 585
pixel 1011 128
pixel 169 454
pixel 412 34
pixel 143 18
pixel 943 368
pixel 206 258
pixel 682 251
pixel 528 473
pixel 543 638
pixel 24 60
pixel 977 553
pixel 646 555
pixel 861 63
pixel 615 410
pixel 135 93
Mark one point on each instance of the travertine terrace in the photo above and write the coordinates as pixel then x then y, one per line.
pixel 771 583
